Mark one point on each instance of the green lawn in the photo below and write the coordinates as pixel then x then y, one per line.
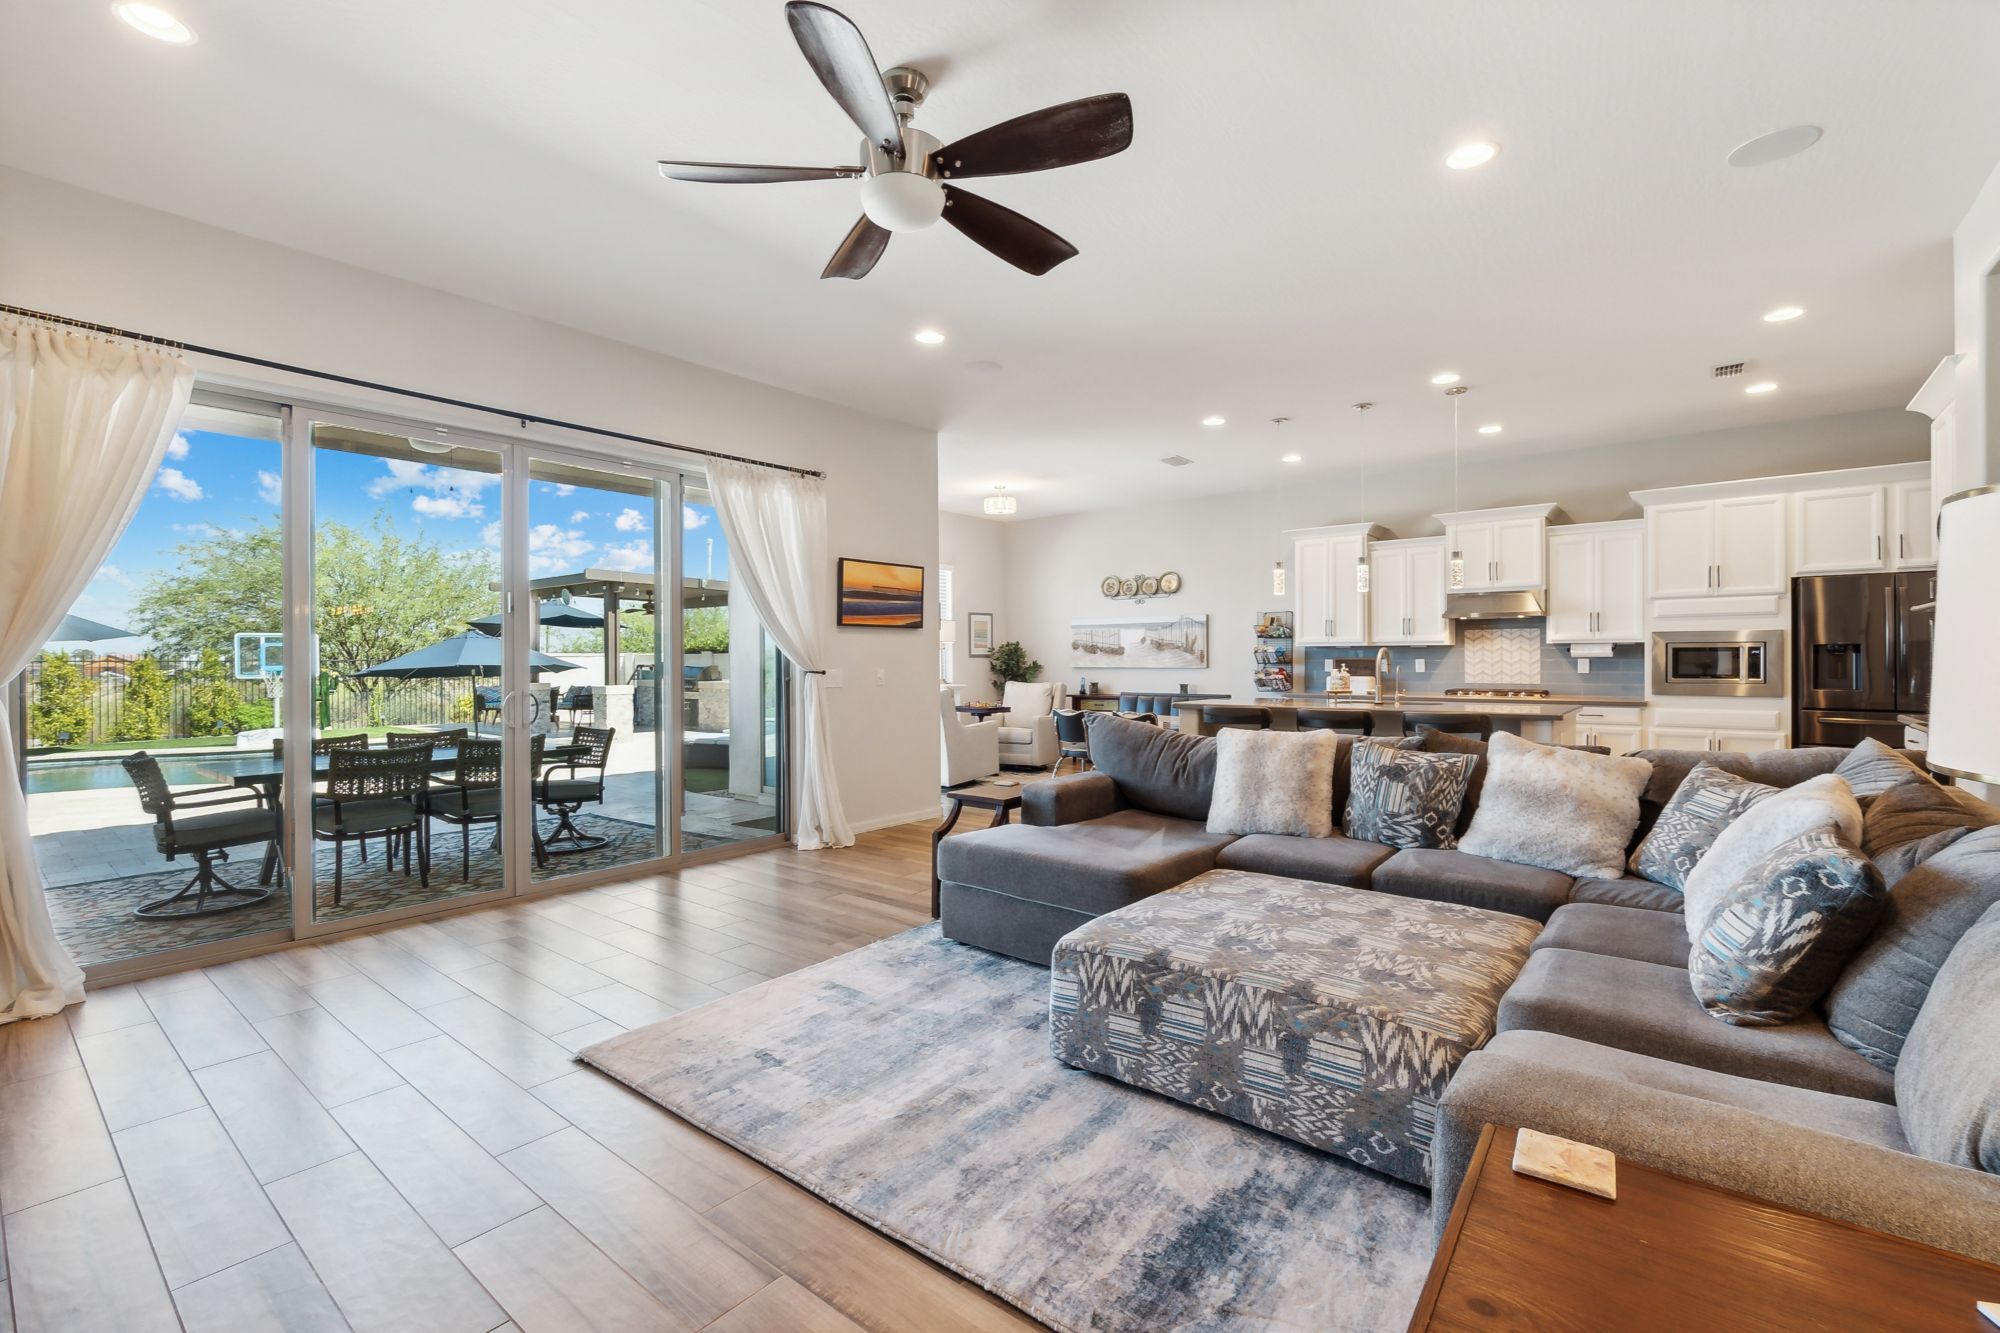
pixel 706 779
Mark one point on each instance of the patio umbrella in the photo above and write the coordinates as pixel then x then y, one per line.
pixel 75 629
pixel 467 654
pixel 558 614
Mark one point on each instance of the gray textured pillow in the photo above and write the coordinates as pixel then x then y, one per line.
pixel 1156 768
pixel 1559 809
pixel 1708 801
pixel 1274 782
pixel 1821 804
pixel 1948 1084
pixel 1877 998
pixel 1401 797
pixel 1872 768
pixel 1781 933
pixel 1913 811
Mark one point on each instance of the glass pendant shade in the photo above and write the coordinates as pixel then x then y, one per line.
pixel 1361 575
pixel 1458 570
pixel 1278 579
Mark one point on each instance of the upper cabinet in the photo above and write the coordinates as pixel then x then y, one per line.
pixel 1847 529
pixel 1329 607
pixel 1406 592
pixel 1501 549
pixel 1597 580
pixel 1709 548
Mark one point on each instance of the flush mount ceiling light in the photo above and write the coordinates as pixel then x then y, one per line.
pixel 1469 155
pixel 1211 421
pixel 1491 429
pixel 1775 146
pixel 1783 313
pixel 154 22
pixel 928 337
pixel 1761 386
pixel 1445 377
pixel 1000 503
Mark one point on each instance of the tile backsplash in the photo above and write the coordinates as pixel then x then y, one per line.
pixel 1499 655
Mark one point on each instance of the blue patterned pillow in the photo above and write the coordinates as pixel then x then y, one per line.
pixel 1405 797
pixel 1783 932
pixel 1707 802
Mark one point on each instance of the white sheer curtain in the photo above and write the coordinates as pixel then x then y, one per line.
pixel 775 522
pixel 84 422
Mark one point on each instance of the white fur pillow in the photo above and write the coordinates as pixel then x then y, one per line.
pixel 1564 810
pixel 1274 782
pixel 1824 804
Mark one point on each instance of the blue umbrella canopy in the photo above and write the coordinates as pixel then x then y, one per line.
pixel 557 614
pixel 76 629
pixel 467 654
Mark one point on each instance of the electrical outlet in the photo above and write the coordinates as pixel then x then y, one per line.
pixel 1582 666
pixel 881 675
pixel 1420 666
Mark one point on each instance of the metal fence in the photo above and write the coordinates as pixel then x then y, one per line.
pixel 347 705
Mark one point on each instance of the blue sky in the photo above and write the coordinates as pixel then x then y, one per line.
pixel 211 481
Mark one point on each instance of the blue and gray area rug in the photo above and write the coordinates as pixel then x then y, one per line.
pixel 910 1084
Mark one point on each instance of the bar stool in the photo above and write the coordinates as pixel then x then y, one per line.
pixel 1453 724
pixel 1234 717
pixel 1347 721
pixel 1072 738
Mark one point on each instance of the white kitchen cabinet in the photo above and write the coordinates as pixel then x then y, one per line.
pixel 1407 591
pixel 1682 738
pixel 1329 607
pixel 1749 742
pixel 1736 730
pixel 1596 575
pixel 1838 530
pixel 1711 548
pixel 1502 549
pixel 1912 524
pixel 1620 730
pixel 1681 542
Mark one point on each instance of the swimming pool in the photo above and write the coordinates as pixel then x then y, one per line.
pixel 105 771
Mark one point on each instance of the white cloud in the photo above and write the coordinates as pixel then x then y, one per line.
pixel 198 529
pixel 407 474
pixel 270 487
pixel 114 574
pixel 553 549
pixel 565 490
pixel 629 520
pixel 580 516
pixel 179 485
pixel 447 506
pixel 177 448
pixel 636 556
pixel 692 518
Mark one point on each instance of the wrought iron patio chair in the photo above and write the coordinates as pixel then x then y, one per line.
pixel 590 748
pixel 376 793
pixel 184 824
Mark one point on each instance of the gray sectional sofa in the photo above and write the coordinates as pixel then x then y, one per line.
pixel 1600 1037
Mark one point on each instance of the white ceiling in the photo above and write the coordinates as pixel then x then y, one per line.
pixel 1281 238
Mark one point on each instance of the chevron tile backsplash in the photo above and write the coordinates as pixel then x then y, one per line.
pixel 1502 654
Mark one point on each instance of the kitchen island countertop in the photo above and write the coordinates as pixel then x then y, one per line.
pixel 1545 708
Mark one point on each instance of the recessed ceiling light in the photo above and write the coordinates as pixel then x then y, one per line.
pixel 1775 146
pixel 1291 458
pixel 1445 377
pixel 154 22
pixel 1211 421
pixel 928 337
pixel 1493 429
pixel 1469 155
pixel 1783 313
pixel 1761 386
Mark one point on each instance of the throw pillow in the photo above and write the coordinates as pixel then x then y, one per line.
pixel 1948 1084
pixel 1873 1005
pixel 1563 810
pixel 1781 933
pixel 1707 802
pixel 1401 797
pixel 1901 859
pixel 1159 769
pixel 1817 805
pixel 1274 782
pixel 1443 742
pixel 1872 768
pixel 1913 811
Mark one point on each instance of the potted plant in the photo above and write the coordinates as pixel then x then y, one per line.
pixel 1010 661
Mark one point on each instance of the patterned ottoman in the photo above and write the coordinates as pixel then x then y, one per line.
pixel 1331 1015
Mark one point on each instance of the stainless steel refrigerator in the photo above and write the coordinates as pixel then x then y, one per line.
pixel 1861 653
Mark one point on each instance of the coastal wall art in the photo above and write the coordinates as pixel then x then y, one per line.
pixel 1147 641
pixel 881 595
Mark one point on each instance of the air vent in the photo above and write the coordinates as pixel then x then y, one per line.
pixel 1724 372
pixel 1175 460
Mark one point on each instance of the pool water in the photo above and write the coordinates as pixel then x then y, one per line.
pixel 189 770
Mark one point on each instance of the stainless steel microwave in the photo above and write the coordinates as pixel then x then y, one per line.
pixel 1738 664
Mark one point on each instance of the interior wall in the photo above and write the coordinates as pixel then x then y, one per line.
pixel 1223 546
pixel 975 548
pixel 1975 248
pixel 91 257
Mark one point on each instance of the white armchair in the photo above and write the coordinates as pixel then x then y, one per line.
pixel 1028 727
pixel 971 749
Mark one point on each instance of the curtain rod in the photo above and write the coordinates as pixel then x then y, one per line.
pixel 523 417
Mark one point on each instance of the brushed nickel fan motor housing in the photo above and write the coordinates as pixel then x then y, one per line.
pixel 920 155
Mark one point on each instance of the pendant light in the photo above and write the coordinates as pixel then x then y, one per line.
pixel 1361 562
pixel 1455 392
pixel 1000 502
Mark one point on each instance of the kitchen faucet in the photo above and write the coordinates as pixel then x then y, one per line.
pixel 1382 674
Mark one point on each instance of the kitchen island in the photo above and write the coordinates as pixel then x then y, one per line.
pixel 1544 720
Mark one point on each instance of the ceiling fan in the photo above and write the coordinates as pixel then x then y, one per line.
pixel 904 170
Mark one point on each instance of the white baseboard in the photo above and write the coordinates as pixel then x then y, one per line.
pixel 929 814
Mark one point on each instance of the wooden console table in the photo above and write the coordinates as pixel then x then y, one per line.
pixel 1002 801
pixel 1670 1254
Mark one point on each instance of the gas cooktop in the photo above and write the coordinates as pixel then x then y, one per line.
pixel 1464 693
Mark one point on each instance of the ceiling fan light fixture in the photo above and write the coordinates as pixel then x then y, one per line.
pixel 902 201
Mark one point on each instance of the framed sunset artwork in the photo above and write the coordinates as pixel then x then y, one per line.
pixel 881 595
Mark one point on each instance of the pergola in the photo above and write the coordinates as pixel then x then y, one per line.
pixel 613 586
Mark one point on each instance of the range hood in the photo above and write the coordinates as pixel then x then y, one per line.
pixel 1493 605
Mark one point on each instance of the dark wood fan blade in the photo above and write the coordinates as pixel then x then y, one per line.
pixel 858 253
pixel 742 173
pixel 1028 246
pixel 1055 136
pixel 839 54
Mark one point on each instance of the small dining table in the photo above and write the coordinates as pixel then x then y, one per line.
pixel 984 711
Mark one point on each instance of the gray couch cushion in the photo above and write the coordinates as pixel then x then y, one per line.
pixel 1458 877
pixel 1708 800
pixel 1876 1000
pixel 1617 932
pixel 1159 769
pixel 1630 891
pixel 1093 867
pixel 1773 768
pixel 1872 768
pixel 1948 1082
pixel 1912 812
pixel 1648 1008
pixel 1070 800
pixel 1336 860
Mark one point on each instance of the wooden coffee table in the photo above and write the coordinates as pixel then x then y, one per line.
pixel 1002 801
pixel 1671 1254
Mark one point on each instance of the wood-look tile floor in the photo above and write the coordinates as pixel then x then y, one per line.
pixel 387 1132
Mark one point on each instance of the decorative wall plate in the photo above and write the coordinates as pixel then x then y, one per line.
pixel 1149 586
pixel 1110 585
pixel 1170 583
pixel 1129 588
